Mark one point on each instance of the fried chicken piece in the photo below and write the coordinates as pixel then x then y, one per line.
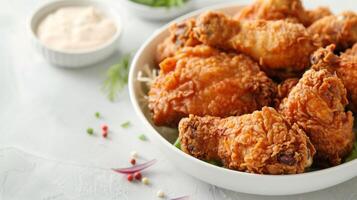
pixel 347 71
pixel 317 104
pixel 350 54
pixel 290 10
pixel 345 66
pixel 340 30
pixel 181 35
pixel 272 10
pixel 262 142
pixel 279 47
pixel 204 81
pixel 312 16
pixel 324 58
pixel 284 89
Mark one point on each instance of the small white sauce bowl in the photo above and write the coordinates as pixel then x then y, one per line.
pixel 158 13
pixel 78 58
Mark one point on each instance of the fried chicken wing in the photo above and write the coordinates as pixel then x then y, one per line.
pixel 262 142
pixel 204 81
pixel 290 10
pixel 181 35
pixel 340 30
pixel 279 47
pixel 345 66
pixel 317 104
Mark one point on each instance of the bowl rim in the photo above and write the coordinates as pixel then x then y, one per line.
pixel 146 7
pixel 156 134
pixel 46 7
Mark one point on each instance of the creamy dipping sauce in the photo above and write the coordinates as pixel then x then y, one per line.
pixel 77 28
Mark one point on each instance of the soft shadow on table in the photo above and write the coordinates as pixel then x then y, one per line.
pixel 343 191
pixel 22 174
pixel 93 71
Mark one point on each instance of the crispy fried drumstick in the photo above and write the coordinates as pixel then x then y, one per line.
pixel 291 10
pixel 276 45
pixel 262 142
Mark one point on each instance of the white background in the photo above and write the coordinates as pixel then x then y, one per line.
pixel 45 152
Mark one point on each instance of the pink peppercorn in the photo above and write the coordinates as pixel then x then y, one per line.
pixel 137 175
pixel 133 161
pixel 130 177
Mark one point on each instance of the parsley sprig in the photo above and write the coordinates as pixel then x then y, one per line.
pixel 161 3
pixel 117 77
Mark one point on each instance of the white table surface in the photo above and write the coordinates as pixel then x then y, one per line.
pixel 45 152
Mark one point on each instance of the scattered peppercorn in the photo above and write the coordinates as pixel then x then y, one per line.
pixel 134 154
pixel 133 161
pixel 130 177
pixel 105 134
pixel 104 128
pixel 145 181
pixel 137 176
pixel 90 131
pixel 160 194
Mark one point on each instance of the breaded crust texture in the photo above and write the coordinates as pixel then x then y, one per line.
pixel 317 104
pixel 204 81
pixel 262 142
pixel 278 46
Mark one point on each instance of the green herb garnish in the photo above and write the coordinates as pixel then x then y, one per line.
pixel 353 154
pixel 117 77
pixel 125 124
pixel 161 3
pixel 177 143
pixel 215 162
pixel 142 137
pixel 97 115
pixel 90 131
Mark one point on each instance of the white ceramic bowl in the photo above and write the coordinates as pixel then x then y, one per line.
pixel 158 13
pixel 74 59
pixel 225 178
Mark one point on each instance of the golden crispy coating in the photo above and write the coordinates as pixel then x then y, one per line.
pixel 345 66
pixel 204 81
pixel 262 142
pixel 272 10
pixel 181 35
pixel 276 45
pixel 350 54
pixel 290 10
pixel 324 58
pixel 347 71
pixel 340 30
pixel 284 89
pixel 312 16
pixel 317 105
